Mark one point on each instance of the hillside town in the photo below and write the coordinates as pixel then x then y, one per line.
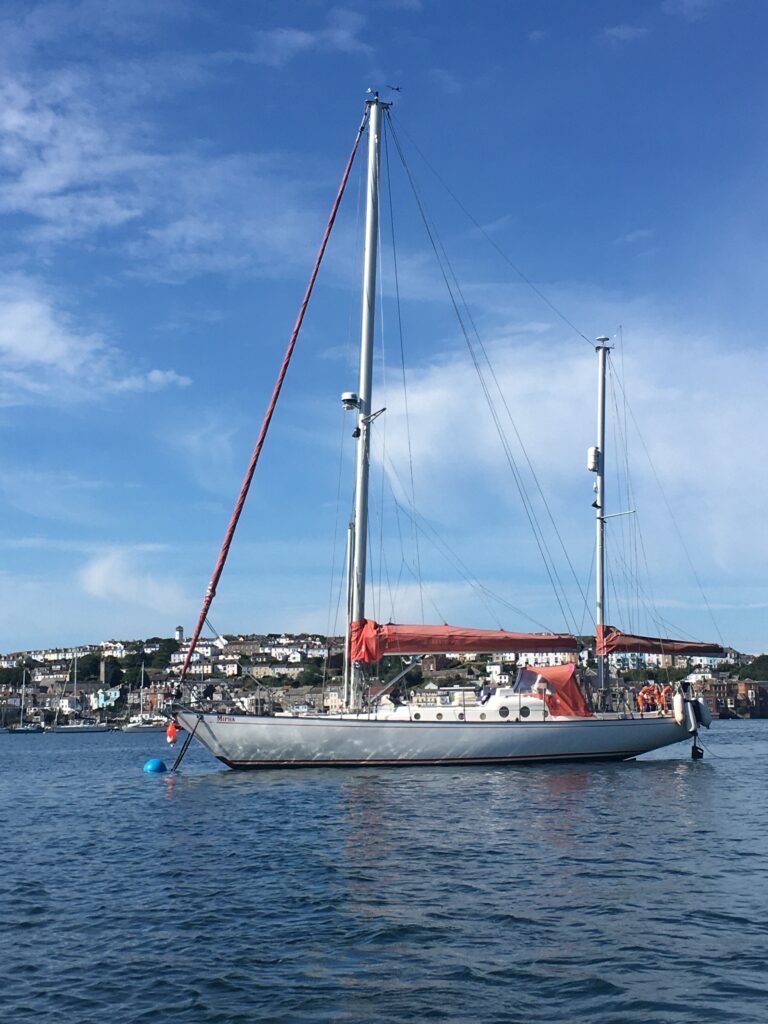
pixel 121 682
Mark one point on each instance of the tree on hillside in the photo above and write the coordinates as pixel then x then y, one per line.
pixel 113 674
pixel 131 665
pixel 310 676
pixel 661 675
pixel 757 670
pixel 162 657
pixel 11 676
pixel 390 667
pixel 88 667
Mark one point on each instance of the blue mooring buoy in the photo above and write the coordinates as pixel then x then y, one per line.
pixel 154 765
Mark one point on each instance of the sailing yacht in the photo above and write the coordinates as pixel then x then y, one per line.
pixel 543 716
pixel 77 723
pixel 145 720
pixel 24 727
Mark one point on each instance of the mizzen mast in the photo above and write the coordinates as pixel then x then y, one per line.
pixel 597 465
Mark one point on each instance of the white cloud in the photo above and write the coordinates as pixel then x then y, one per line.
pixel 52 495
pixel 277 47
pixel 205 446
pixel 624 33
pixel 155 380
pixel 691 10
pixel 80 162
pixel 33 336
pixel 118 576
pixel 414 6
pixel 704 448
pixel 44 355
pixel 638 235
pixel 62 167
pixel 446 81
pixel 71 174
pixel 25 27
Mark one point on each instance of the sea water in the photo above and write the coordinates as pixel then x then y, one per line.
pixel 633 892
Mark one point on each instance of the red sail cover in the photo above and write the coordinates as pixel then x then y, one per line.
pixel 610 640
pixel 369 641
pixel 563 696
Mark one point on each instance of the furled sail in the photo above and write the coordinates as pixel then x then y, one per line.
pixel 370 641
pixel 561 691
pixel 611 640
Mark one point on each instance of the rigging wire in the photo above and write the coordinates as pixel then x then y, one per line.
pixel 441 545
pixel 535 479
pixel 447 273
pixel 631 570
pixel 633 525
pixel 332 624
pixel 431 600
pixel 673 517
pixel 587 610
pixel 385 135
pixel 376 592
pixel 246 485
pixel 507 259
pixel 633 566
pixel 620 526
pixel 332 587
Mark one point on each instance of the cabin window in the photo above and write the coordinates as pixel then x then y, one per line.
pixel 503 712
pixel 417 715
pixel 525 712
pixel 461 716
pixel 482 715
pixel 439 716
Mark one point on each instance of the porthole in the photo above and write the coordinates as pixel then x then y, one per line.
pixel 439 716
pixel 461 716
pixel 417 715
pixel 525 712
pixel 503 712
pixel 482 716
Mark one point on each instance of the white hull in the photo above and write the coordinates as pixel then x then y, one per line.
pixel 244 741
pixel 100 727
pixel 145 722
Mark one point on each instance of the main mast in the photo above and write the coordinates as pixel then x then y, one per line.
pixel 363 403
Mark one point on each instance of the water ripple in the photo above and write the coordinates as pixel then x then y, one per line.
pixel 630 893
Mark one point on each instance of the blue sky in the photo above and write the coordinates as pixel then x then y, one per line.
pixel 165 174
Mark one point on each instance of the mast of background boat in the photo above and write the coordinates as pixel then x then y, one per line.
pixel 23 695
pixel 365 413
pixel 601 348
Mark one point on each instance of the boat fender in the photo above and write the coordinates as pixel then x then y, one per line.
pixel 690 717
pixel 678 706
pixel 703 714
pixel 170 733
